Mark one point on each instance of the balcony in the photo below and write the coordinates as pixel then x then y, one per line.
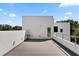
pixel 38 48
pixel 60 45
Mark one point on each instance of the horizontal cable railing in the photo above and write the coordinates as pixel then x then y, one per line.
pixel 71 38
pixel 62 36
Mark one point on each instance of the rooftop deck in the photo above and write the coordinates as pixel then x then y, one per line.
pixel 37 48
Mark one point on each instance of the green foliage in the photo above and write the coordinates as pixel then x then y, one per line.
pixel 7 27
pixel 76 32
pixel 1 27
pixel 17 28
pixel 4 27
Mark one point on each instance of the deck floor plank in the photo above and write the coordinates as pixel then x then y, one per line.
pixel 45 48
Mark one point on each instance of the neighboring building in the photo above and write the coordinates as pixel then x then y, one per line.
pixel 38 27
pixel 62 29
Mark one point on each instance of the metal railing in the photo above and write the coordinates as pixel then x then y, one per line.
pixel 71 38
pixel 69 41
pixel 75 39
pixel 62 36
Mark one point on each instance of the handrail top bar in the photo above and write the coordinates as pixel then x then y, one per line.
pixel 68 35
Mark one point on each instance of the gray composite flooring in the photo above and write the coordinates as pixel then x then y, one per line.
pixel 42 48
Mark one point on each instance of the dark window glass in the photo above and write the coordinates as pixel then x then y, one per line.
pixel 55 29
pixel 48 31
pixel 61 30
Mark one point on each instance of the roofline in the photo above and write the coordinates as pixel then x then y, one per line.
pixel 37 16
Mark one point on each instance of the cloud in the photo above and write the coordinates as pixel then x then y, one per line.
pixel 1 9
pixel 68 13
pixel 10 21
pixel 12 15
pixel 4 13
pixel 66 17
pixel 69 4
pixel 44 11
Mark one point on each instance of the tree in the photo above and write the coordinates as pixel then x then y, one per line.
pixel 76 32
pixel 6 27
pixel 1 27
pixel 17 28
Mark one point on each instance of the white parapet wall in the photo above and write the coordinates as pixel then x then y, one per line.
pixel 10 39
pixel 64 37
pixel 72 46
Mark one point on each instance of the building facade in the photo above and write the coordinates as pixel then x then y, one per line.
pixel 38 27
pixel 62 29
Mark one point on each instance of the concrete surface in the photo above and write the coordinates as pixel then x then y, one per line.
pixel 10 39
pixel 72 46
pixel 37 26
pixel 42 48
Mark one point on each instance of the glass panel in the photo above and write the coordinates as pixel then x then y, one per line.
pixel 55 29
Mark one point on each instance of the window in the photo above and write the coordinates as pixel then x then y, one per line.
pixel 61 30
pixel 49 32
pixel 55 29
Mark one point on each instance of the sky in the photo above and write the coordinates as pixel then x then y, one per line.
pixel 11 13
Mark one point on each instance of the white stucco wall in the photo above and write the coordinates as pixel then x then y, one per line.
pixel 37 26
pixel 66 30
pixel 72 46
pixel 7 38
pixel 65 41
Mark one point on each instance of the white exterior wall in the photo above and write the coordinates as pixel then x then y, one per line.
pixel 8 37
pixel 37 26
pixel 66 30
pixel 65 41
pixel 72 46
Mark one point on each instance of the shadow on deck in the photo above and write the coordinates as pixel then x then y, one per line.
pixel 71 53
pixel 36 40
